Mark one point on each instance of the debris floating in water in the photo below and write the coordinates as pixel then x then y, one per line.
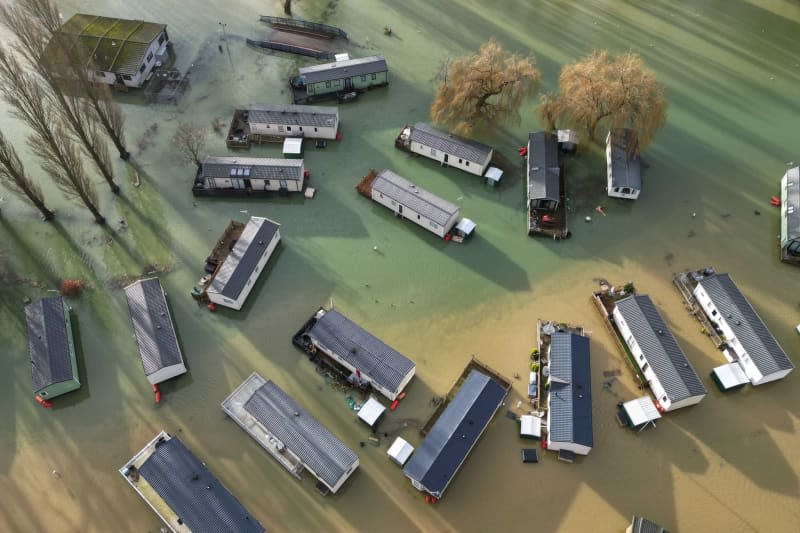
pixel 588 218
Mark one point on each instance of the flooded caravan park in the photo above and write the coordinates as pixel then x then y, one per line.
pixel 729 464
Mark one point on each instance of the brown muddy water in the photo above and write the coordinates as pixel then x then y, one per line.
pixel 729 464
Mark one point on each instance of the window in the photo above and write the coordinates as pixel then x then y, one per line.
pixel 374 76
pixel 141 69
pixel 641 357
pixel 336 83
pixel 459 160
pixel 714 312
pixel 394 203
pixel 467 163
pixel 161 39
pixel 266 182
pixel 417 217
pixel 434 225
pixel 126 77
pixel 327 85
pixel 645 367
pixel 363 78
pixel 664 399
pixel 301 128
pixel 315 129
pixel 380 194
pixel 433 152
pixel 288 128
pixel 149 57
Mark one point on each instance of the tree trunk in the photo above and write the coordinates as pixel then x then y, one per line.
pixel 100 219
pixel 46 213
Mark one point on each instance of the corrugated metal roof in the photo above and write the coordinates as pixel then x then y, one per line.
pixel 252 168
pixel 643 525
pixel 625 163
pixel 242 260
pixel 415 198
pixel 790 226
pixel 115 45
pixel 343 69
pixel 543 168
pixel 455 432
pixel 570 389
pixel 48 342
pixel 152 324
pixel 747 326
pixel 302 115
pixel 192 491
pixel 660 348
pixel 362 350
pixel 316 447
pixel 446 142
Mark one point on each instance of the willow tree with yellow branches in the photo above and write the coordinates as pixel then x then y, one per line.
pixel 484 89
pixel 601 92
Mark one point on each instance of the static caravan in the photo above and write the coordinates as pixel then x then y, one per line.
pixel 414 203
pixel 624 167
pixel 339 77
pixel 544 171
pixel 183 492
pixel 368 359
pixel 643 525
pixel 248 175
pixel 747 339
pixel 454 434
pixel 155 334
pixel 54 370
pixel 660 359
pixel 263 122
pixel 238 274
pixel 446 148
pixel 569 402
pixel 790 216
pixel 117 51
pixel 289 433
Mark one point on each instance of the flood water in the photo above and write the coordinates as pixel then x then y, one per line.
pixel 731 70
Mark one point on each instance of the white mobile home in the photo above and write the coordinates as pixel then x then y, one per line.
pixel 624 169
pixel 790 216
pixel 239 272
pixel 414 203
pixel 747 339
pixel 661 360
pixel 117 51
pixel 248 175
pixel 289 433
pixel 260 122
pixel 155 334
pixel 446 148
pixel 569 402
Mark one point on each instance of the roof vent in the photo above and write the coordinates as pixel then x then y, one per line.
pixel 261 243
pixel 661 332
pixel 158 326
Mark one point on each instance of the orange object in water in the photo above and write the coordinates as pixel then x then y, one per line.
pixel 212 307
pixel 447 237
pixel 523 151
pixel 394 405
pixel 44 403
pixel 775 201
pixel 600 209
pixel 338 136
pixel 434 499
pixel 401 395
pixel 306 173
pixel 157 393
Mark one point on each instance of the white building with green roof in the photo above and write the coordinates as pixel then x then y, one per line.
pixel 116 51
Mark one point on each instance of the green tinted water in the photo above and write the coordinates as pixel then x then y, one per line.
pixel 731 71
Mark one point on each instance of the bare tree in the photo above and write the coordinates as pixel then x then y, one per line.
pixel 32 40
pixel 13 176
pixel 59 155
pixel 484 88
pixel 61 58
pixel 601 92
pixel 190 139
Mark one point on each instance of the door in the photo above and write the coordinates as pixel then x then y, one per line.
pixel 247 184
pixel 348 84
pixel 283 185
pixel 445 160
pixel 400 209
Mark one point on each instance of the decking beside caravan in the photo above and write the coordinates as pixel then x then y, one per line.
pixel 231 282
pixel 623 166
pixel 246 176
pixel 445 147
pixel 289 433
pixel 54 368
pixel 260 123
pixel 339 79
pixel 410 202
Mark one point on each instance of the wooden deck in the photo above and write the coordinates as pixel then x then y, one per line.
pixel 219 253
pixel 604 302
pixel 364 186
pixel 552 224
pixel 240 136
pixel 474 364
